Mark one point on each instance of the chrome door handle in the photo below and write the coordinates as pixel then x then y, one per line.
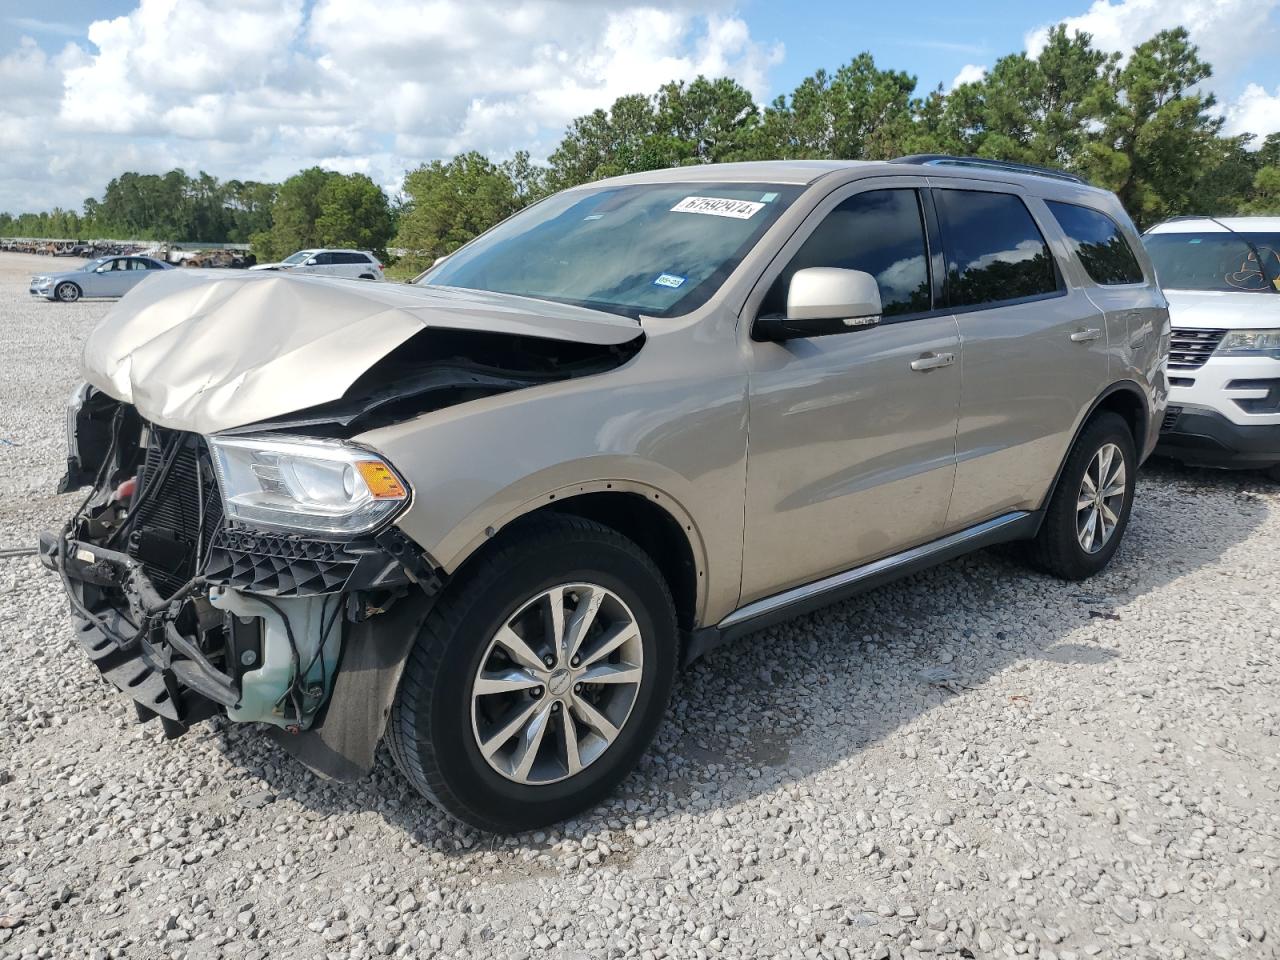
pixel 1084 336
pixel 932 361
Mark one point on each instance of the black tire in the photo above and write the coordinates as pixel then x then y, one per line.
pixel 1057 548
pixel 67 292
pixel 366 276
pixel 430 731
pixel 1274 473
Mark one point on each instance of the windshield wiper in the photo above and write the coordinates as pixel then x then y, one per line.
pixel 1268 282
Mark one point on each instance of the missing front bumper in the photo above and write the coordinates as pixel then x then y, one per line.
pixel 165 672
pixel 168 675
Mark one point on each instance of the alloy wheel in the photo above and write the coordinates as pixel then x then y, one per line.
pixel 557 684
pixel 1101 498
pixel 68 292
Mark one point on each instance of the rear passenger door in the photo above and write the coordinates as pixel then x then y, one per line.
pixel 1034 348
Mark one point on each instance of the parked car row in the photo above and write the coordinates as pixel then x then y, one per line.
pixel 489 515
pixel 116 276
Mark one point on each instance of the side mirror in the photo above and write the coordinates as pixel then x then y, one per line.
pixel 313 261
pixel 822 301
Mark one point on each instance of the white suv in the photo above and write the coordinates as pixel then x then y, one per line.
pixel 1222 279
pixel 357 264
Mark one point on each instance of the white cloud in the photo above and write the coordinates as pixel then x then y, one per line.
pixel 1227 32
pixel 969 73
pixel 1255 111
pixel 261 88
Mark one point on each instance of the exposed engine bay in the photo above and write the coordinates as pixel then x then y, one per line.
pixel 190 614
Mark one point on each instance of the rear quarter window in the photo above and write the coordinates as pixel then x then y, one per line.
pixel 1099 243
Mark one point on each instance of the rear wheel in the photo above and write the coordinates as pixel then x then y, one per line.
pixel 67 292
pixel 1089 511
pixel 539 678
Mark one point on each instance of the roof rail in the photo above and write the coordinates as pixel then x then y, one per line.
pixel 1008 166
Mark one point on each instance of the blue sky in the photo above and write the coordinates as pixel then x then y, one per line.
pixel 260 88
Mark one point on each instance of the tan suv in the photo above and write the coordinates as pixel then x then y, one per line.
pixel 491 514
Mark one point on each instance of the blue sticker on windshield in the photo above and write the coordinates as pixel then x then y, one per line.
pixel 669 280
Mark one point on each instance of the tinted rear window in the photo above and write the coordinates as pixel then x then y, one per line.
pixel 1098 242
pixel 995 251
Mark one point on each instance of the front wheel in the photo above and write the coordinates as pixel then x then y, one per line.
pixel 539 678
pixel 67 292
pixel 1089 512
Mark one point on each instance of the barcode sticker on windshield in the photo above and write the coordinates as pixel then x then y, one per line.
pixel 719 207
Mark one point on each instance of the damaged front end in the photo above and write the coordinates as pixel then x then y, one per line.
pixel 238 552
pixel 233 576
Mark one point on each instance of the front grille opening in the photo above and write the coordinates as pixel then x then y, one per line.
pixel 1189 349
pixel 176 509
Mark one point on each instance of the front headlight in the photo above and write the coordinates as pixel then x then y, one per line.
pixel 305 485
pixel 1250 343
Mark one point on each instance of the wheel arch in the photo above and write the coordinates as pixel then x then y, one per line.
pixel 651 518
pixel 1125 398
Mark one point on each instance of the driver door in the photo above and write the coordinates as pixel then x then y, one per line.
pixel 111 279
pixel 852 450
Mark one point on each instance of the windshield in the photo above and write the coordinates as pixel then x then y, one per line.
pixel 654 249
pixel 298 257
pixel 1216 261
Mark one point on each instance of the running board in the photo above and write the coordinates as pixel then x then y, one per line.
pixel 812 596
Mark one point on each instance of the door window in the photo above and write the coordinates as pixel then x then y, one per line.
pixel 880 232
pixel 995 251
pixel 1096 238
pixel 324 259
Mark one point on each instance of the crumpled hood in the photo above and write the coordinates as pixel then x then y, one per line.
pixel 208 350
pixel 1223 309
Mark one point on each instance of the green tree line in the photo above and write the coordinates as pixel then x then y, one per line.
pixel 1143 127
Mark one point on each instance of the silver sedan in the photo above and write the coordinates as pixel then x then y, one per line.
pixel 104 277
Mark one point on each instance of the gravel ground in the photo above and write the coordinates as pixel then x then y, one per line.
pixel 978 762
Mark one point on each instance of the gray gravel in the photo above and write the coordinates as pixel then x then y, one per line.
pixel 978 762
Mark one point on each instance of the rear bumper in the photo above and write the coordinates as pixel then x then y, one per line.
pixel 1204 437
